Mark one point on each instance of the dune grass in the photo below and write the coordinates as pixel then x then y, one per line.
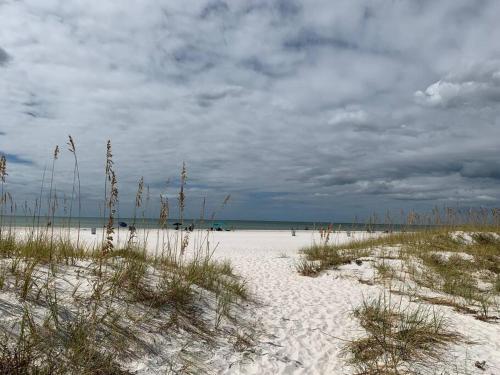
pixel 323 256
pixel 447 264
pixel 401 339
pixel 328 258
pixel 460 261
pixel 105 295
pixel 69 308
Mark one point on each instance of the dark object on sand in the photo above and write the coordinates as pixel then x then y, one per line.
pixel 123 224
pixel 177 225
pixel 93 230
pixel 359 262
pixel 481 365
pixel 219 227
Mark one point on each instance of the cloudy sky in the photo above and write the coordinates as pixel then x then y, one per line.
pixel 313 110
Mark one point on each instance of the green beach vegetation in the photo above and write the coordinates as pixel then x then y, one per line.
pixel 67 307
pixel 449 258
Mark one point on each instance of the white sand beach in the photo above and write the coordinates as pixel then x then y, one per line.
pixel 304 322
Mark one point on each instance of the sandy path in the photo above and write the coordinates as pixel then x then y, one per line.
pixel 305 319
pixel 298 314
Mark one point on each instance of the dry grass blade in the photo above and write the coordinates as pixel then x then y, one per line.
pixel 400 339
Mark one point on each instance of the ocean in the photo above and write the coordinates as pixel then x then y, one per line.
pixel 98 222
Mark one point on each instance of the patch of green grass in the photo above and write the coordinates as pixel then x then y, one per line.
pixel 41 247
pixel 321 257
pixel 94 338
pixel 59 347
pixel 308 268
pixel 214 276
pixel 19 359
pixel 496 286
pixel 385 270
pixel 399 338
pixel 437 258
pixel 456 274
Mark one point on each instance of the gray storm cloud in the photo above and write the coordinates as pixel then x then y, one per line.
pixel 301 110
pixel 3 56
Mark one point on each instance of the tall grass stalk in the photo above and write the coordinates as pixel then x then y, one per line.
pixel 3 174
pixel 182 204
pixel 76 178
pixel 107 177
pixel 52 203
pixel 138 204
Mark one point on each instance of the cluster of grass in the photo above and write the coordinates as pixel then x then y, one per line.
pixel 323 255
pixel 400 339
pixel 69 308
pixel 468 269
pixel 461 261
pixel 453 263
pixel 110 294
pixel 385 270
pixel 42 248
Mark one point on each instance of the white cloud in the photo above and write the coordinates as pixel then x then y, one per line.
pixel 478 85
pixel 356 117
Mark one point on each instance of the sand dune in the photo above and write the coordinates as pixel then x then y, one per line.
pixel 304 322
